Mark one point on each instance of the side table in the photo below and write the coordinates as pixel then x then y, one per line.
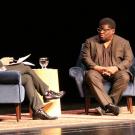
pixel 50 77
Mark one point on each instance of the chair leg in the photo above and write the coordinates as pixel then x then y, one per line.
pixel 30 112
pixel 87 105
pixel 129 104
pixel 18 112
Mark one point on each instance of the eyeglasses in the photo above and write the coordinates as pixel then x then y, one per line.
pixel 101 29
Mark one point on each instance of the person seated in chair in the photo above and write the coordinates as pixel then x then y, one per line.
pixel 107 56
pixel 32 84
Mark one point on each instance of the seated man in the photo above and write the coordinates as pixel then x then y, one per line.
pixel 32 84
pixel 107 56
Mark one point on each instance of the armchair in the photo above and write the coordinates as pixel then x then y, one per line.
pixel 11 90
pixel 77 73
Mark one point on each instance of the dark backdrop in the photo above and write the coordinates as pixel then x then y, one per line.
pixel 56 29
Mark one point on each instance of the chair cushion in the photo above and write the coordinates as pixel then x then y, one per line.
pixel 9 77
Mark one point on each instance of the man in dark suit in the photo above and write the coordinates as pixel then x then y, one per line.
pixel 33 84
pixel 107 56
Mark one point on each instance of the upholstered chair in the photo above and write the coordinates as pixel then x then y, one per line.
pixel 11 90
pixel 77 73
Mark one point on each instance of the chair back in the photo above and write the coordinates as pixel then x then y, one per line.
pixel 79 62
pixel 77 72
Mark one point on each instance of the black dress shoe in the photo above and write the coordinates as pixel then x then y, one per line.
pixel 111 108
pixel 53 95
pixel 41 115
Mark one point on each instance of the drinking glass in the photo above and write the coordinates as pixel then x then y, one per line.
pixel 43 61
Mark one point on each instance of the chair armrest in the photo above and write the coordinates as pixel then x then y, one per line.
pixel 78 74
pixel 10 77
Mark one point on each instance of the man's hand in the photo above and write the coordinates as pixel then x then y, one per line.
pixel 3 68
pixel 100 69
pixel 6 60
pixel 112 69
pixel 108 71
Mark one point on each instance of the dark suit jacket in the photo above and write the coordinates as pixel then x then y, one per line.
pixel 122 55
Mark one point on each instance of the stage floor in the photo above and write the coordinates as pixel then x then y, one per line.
pixel 71 122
